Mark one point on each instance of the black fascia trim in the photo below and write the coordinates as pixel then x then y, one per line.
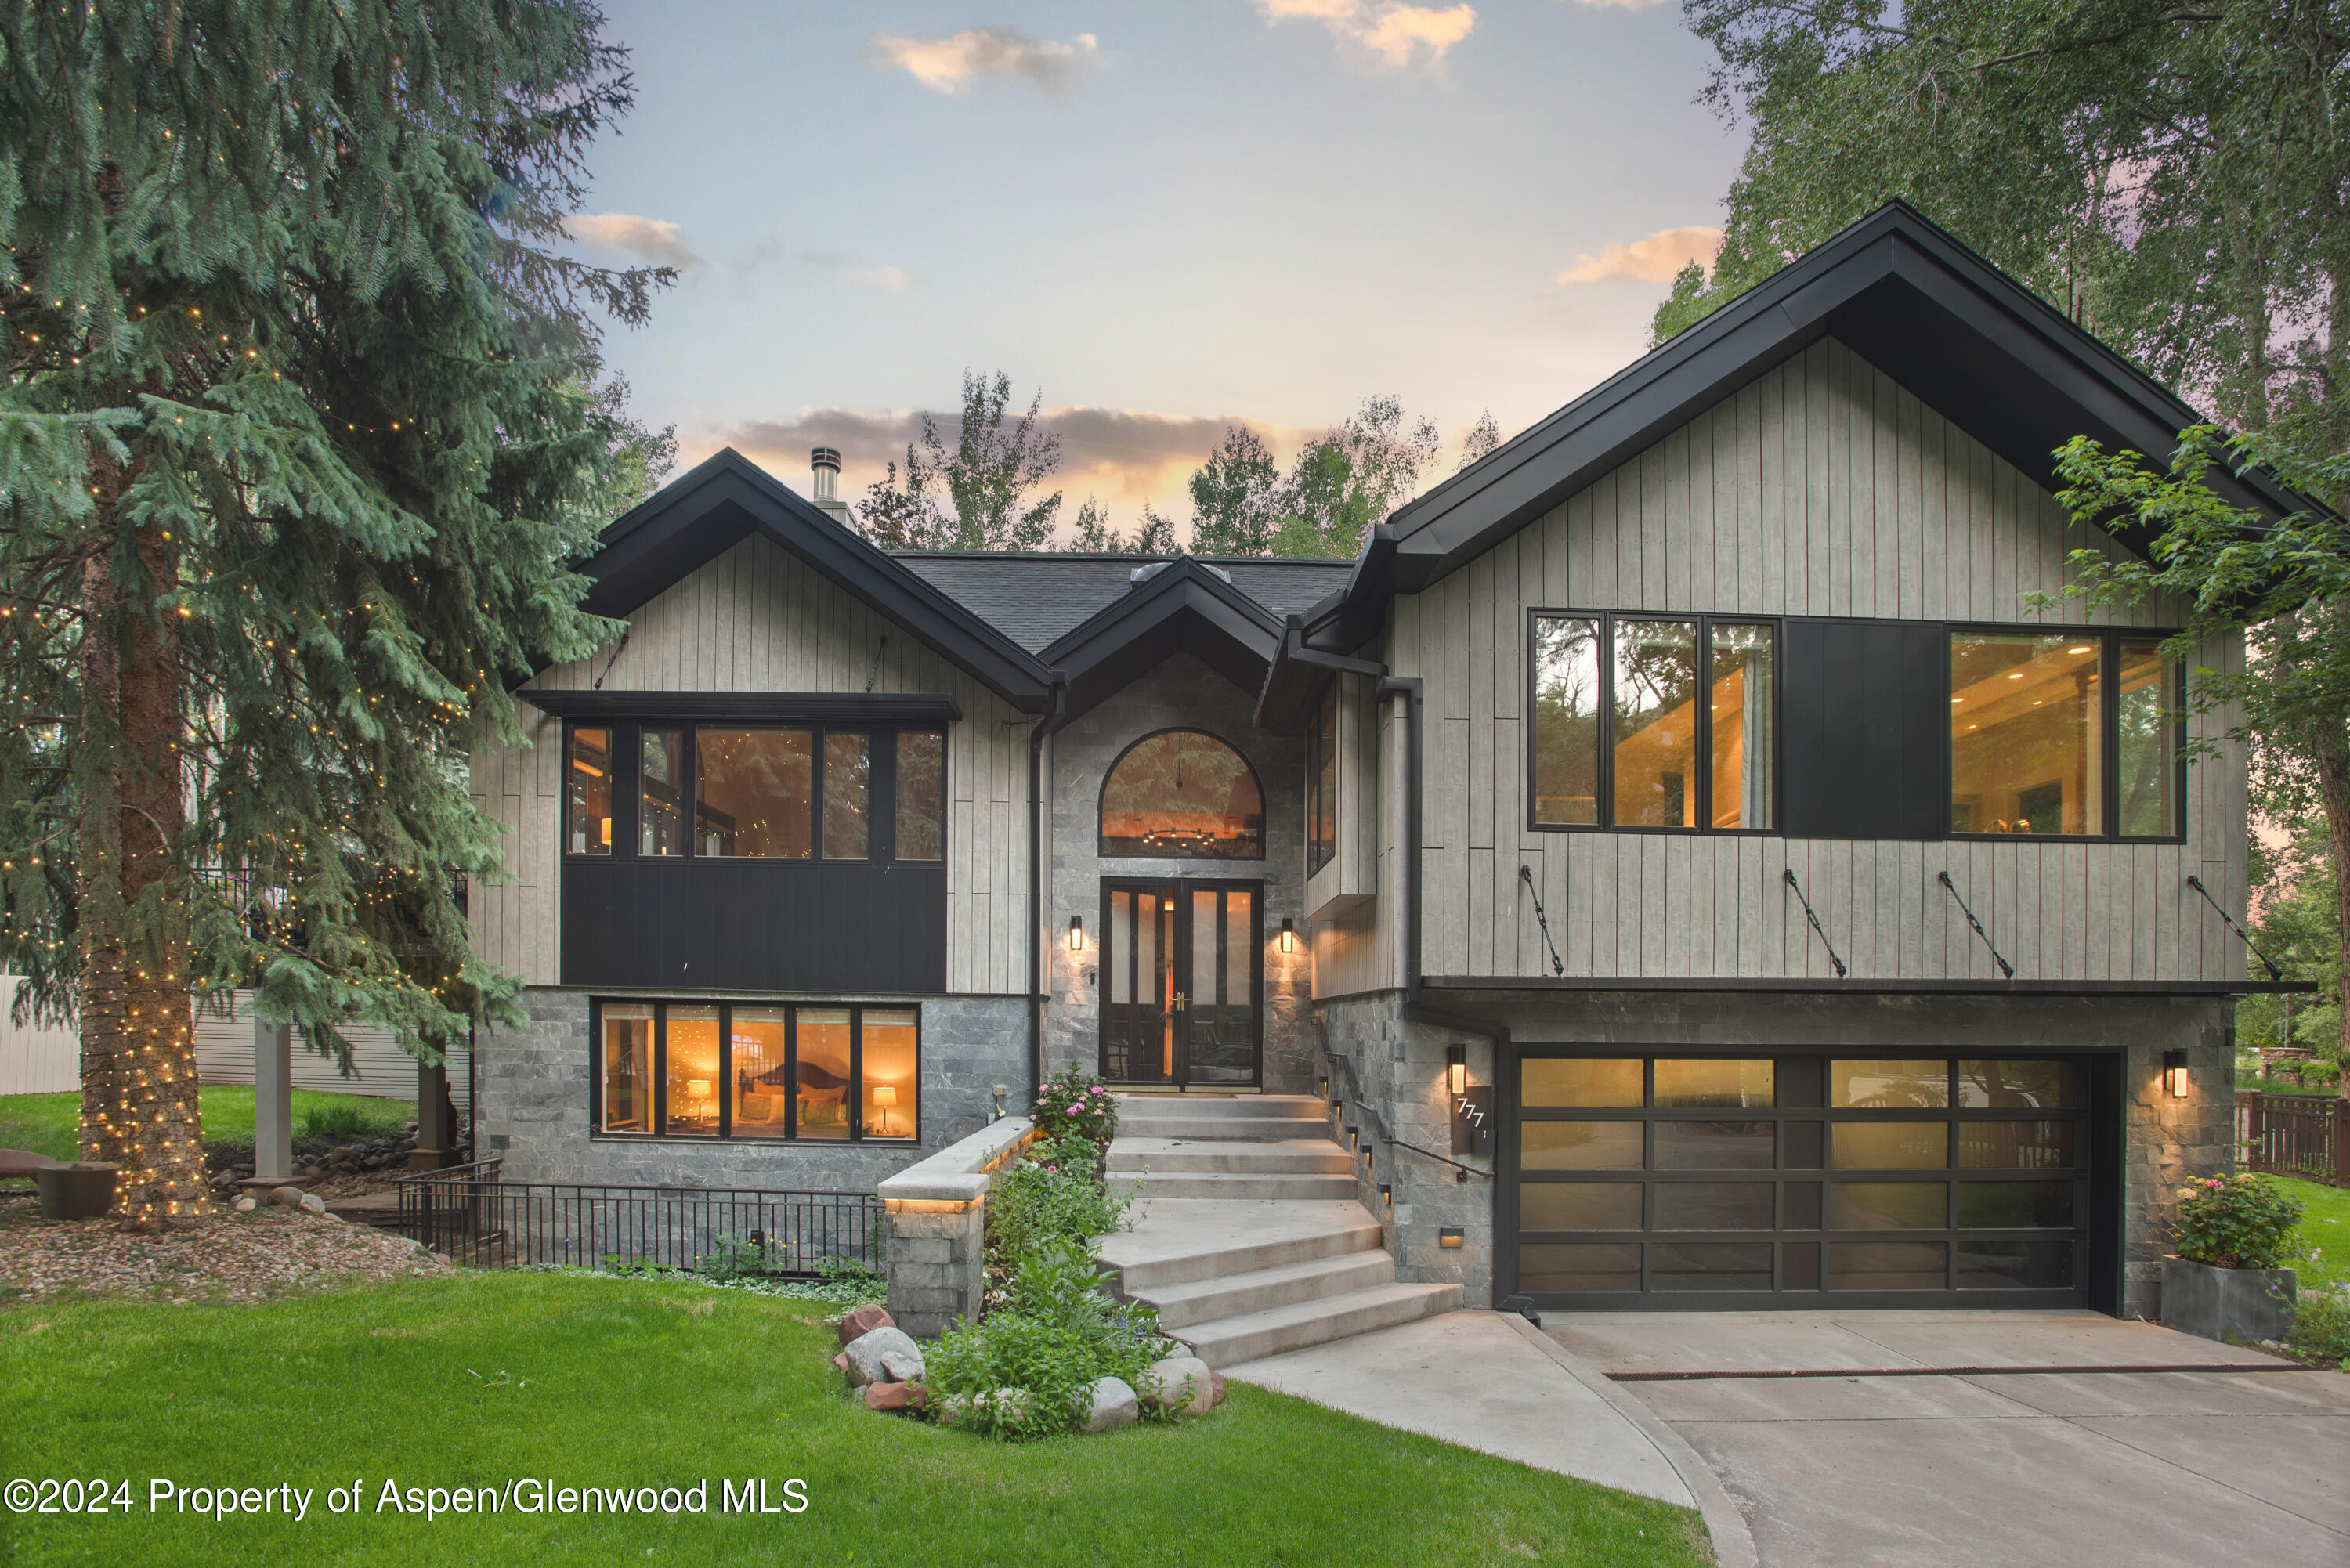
pixel 1183 608
pixel 1633 984
pixel 774 706
pixel 1833 290
pixel 726 498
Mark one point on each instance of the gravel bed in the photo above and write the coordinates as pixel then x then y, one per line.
pixel 224 1258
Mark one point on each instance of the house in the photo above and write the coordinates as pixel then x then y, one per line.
pixel 1673 845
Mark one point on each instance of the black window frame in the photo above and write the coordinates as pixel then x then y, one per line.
pixel 1320 813
pixel 2109 640
pixel 1606 770
pixel 1263 829
pixel 658 1070
pixel 881 789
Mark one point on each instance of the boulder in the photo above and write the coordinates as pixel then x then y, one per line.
pixel 1007 1404
pixel 1180 1383
pixel 285 1197
pixel 864 1321
pixel 245 1206
pixel 900 1368
pixel 311 1203
pixel 1216 1385
pixel 866 1351
pixel 24 1162
pixel 1114 1406
pixel 890 1395
pixel 841 1361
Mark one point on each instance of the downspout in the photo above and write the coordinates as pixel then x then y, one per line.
pixel 1056 712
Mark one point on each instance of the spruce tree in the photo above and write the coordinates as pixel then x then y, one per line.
pixel 302 431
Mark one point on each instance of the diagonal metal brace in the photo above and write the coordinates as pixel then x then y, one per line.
pixel 1818 930
pixel 1557 964
pixel 2242 935
pixel 2006 970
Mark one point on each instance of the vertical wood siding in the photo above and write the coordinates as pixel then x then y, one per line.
pixel 1822 488
pixel 758 618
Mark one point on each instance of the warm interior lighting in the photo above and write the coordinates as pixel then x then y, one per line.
pixel 1288 934
pixel 2083 649
pixel 607 830
pixel 1456 1068
pixel 2174 1073
pixel 1077 933
pixel 1449 1237
pixel 590 769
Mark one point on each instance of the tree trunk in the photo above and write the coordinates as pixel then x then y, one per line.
pixel 138 1039
pixel 2333 752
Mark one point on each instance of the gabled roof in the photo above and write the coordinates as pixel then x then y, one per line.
pixel 1971 342
pixel 1185 606
pixel 1035 597
pixel 727 498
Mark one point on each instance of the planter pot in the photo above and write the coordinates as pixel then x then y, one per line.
pixel 81 1190
pixel 2245 1304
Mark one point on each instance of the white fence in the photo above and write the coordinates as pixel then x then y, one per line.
pixel 49 1061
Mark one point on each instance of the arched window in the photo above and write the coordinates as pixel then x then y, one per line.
pixel 1182 795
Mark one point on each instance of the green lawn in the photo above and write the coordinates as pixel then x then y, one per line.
pixel 2325 1226
pixel 610 1383
pixel 49 1124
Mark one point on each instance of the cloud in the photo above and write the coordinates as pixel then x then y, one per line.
pixel 1624 4
pixel 648 239
pixel 1122 455
pixel 889 279
pixel 945 65
pixel 849 270
pixel 1391 34
pixel 1652 260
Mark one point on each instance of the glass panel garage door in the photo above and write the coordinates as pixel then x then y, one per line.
pixel 1882 1180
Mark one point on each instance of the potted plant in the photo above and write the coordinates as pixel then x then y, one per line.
pixel 2226 1282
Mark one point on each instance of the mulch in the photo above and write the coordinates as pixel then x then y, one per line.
pixel 227 1257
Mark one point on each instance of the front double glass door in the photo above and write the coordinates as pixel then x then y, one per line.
pixel 1182 978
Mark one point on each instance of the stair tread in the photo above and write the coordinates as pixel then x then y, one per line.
pixel 1220 1329
pixel 1285 1273
pixel 1145 1144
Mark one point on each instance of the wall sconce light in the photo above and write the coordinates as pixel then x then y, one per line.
pixel 1386 1196
pixel 2174 1073
pixel 1077 933
pixel 1472 1105
pixel 1448 1237
pixel 1456 1067
pixel 1288 934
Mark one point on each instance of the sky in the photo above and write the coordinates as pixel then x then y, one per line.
pixel 1162 218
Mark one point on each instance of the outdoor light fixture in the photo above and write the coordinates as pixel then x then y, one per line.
pixel 1288 934
pixel 2174 1073
pixel 1386 1195
pixel 1077 933
pixel 1472 1105
pixel 1448 1237
pixel 1456 1064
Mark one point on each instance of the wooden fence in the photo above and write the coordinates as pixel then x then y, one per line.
pixel 2307 1135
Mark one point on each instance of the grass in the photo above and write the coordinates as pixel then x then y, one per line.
pixel 2324 1226
pixel 610 1383
pixel 50 1123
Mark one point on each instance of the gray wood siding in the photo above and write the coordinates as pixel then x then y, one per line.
pixel 1822 488
pixel 758 618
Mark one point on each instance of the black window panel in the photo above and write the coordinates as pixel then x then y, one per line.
pixel 1863 722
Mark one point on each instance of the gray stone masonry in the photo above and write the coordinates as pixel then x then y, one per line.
pixel 936 1258
pixel 531 1109
pixel 2166 1143
pixel 1181 693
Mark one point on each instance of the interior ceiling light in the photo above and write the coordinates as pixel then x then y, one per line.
pixel 2083 649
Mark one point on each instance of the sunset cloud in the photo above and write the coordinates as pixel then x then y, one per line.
pixel 948 64
pixel 652 240
pixel 1391 34
pixel 1622 5
pixel 1655 259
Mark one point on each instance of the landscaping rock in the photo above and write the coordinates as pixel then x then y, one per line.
pixel 864 1321
pixel 1007 1404
pixel 1216 1383
pixel 866 1351
pixel 888 1396
pixel 1115 1405
pixel 245 1206
pixel 285 1197
pixel 1182 1384
pixel 311 1203
pixel 899 1367
pixel 841 1361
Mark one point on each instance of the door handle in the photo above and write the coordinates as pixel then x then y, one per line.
pixel 1178 1002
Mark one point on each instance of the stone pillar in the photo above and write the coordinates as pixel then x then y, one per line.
pixel 936 1256
pixel 272 1102
pixel 435 1129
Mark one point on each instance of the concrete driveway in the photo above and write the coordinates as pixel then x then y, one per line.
pixel 1912 1450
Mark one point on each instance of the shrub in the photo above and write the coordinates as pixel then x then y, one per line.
pixel 340 1121
pixel 2236 1222
pixel 1054 1337
pixel 2321 1327
pixel 1054 1193
pixel 1075 1101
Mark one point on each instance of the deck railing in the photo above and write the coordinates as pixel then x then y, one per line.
pixel 469 1212
pixel 2307 1135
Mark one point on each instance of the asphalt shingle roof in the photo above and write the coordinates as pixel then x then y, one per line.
pixel 1034 598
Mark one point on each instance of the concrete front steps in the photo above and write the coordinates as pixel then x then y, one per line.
pixel 1251 1241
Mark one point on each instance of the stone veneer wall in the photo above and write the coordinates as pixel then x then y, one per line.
pixel 1182 692
pixel 2167 1143
pixel 531 1086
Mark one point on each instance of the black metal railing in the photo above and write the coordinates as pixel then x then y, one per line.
pixel 469 1212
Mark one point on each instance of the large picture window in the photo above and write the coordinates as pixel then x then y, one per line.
pixel 742 791
pixel 1653 722
pixel 728 1070
pixel 2064 735
pixel 1182 795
